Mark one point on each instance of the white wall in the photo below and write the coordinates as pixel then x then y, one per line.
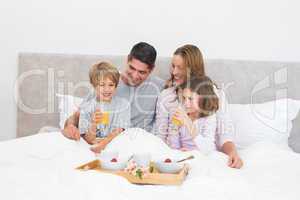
pixel 235 29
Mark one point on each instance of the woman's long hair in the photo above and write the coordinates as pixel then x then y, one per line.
pixel 193 61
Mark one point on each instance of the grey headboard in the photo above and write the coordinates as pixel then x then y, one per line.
pixel 41 76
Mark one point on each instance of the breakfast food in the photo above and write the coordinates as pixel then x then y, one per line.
pixel 114 160
pixel 135 170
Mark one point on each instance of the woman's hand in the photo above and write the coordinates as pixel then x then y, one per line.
pixel 234 161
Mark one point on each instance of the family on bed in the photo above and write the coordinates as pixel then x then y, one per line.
pixel 186 112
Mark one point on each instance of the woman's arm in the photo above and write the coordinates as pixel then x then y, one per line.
pixel 234 159
pixel 225 133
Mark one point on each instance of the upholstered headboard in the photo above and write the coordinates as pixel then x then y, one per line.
pixel 41 76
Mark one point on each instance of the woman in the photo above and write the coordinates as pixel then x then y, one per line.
pixel 187 63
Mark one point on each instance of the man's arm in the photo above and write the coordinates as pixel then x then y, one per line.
pixel 90 135
pixel 71 127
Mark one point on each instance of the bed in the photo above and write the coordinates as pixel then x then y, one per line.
pixel 40 164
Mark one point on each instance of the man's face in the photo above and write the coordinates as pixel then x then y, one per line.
pixel 136 72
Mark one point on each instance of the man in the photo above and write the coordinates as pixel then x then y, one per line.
pixel 136 85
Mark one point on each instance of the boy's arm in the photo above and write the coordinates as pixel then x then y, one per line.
pixel 102 144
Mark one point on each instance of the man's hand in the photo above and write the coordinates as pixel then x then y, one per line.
pixel 71 132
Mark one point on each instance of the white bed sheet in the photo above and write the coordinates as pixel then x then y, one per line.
pixel 42 167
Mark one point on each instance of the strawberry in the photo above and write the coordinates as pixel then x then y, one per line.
pixel 114 160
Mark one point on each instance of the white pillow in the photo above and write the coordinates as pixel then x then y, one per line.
pixel 270 121
pixel 67 106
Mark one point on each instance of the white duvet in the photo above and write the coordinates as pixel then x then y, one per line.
pixel 42 167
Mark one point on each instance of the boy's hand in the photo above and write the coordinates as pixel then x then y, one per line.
pixel 97 116
pixel 117 131
pixel 98 147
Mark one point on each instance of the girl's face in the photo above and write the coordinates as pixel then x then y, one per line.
pixel 190 101
pixel 105 90
pixel 178 70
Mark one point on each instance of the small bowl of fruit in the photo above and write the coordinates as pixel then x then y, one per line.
pixel 112 161
pixel 169 165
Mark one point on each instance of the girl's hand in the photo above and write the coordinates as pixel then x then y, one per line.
pixel 182 116
pixel 184 149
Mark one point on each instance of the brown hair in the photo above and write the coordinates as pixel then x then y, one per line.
pixel 204 87
pixel 102 70
pixel 193 61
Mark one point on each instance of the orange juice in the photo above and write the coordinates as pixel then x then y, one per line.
pixel 105 118
pixel 176 122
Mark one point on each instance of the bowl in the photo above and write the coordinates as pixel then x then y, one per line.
pixel 112 161
pixel 171 167
pixel 113 165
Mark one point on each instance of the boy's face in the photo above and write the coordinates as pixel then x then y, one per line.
pixel 106 89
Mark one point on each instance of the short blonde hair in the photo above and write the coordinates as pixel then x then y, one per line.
pixel 102 70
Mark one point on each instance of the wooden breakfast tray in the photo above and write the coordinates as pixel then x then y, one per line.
pixel 154 178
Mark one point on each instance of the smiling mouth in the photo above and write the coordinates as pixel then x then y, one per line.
pixel 107 95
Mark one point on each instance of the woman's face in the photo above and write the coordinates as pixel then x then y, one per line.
pixel 178 70
pixel 190 101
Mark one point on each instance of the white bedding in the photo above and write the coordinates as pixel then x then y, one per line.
pixel 42 167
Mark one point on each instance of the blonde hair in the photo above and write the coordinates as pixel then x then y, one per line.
pixel 193 61
pixel 102 70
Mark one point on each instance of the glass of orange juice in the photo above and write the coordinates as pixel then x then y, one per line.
pixel 105 118
pixel 176 121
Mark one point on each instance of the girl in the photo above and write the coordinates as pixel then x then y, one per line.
pixel 195 117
